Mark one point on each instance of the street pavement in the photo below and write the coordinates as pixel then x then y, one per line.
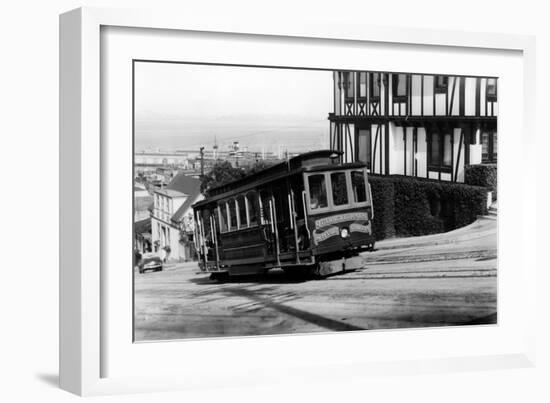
pixel 438 280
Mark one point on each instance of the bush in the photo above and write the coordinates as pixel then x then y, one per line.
pixel 418 206
pixel 407 206
pixel 382 199
pixel 482 175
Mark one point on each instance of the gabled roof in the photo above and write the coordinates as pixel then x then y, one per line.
pixel 184 183
pixel 188 185
pixel 171 192
pixel 142 226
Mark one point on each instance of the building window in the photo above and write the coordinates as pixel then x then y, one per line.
pixel 364 148
pixel 362 85
pixel 441 84
pixel 440 151
pixel 399 86
pixel 447 151
pixel 489 147
pixel 348 84
pixel 433 150
pixel 491 89
pixel 375 86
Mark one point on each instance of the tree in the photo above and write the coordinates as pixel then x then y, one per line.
pixel 258 166
pixel 221 173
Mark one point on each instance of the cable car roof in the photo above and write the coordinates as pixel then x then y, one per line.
pixel 310 161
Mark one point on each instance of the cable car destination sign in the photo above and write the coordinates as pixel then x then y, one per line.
pixel 360 223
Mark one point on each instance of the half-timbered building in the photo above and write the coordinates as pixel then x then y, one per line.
pixel 423 125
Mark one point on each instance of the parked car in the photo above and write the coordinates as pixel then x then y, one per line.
pixel 150 261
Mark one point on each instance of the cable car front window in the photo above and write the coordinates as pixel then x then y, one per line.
pixel 317 192
pixel 358 186
pixel 339 188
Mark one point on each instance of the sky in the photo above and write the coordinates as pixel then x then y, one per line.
pixel 186 106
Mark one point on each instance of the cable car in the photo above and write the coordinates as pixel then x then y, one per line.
pixel 310 213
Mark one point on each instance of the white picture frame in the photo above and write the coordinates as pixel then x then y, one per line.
pixel 83 193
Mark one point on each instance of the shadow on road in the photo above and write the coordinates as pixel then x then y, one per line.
pixel 272 298
pixel 272 277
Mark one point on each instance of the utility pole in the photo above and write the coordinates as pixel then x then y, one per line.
pixel 202 161
pixel 236 151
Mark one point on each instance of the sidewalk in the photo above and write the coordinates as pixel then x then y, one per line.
pixel 480 228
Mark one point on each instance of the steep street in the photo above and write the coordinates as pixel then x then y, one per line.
pixel 437 280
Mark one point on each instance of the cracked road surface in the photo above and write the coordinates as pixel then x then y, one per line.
pixel 439 280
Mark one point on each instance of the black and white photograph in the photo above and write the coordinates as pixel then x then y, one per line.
pixel 278 201
pixel 285 201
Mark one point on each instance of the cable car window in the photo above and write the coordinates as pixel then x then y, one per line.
pixel 223 217
pixel 205 215
pixel 339 188
pixel 317 192
pixel 231 205
pixel 358 186
pixel 264 203
pixel 280 197
pixel 243 222
pixel 252 206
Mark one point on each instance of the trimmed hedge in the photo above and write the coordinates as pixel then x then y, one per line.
pixel 482 175
pixel 408 206
pixel 383 196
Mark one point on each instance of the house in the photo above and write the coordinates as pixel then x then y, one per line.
pixel 172 221
pixel 142 236
pixel 142 200
pixel 424 125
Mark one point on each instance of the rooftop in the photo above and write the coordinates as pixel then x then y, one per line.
pixel 191 186
pixel 171 192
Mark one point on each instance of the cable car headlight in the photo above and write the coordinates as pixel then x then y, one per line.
pixel 344 233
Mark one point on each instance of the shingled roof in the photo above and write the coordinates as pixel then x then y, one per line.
pixel 188 185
